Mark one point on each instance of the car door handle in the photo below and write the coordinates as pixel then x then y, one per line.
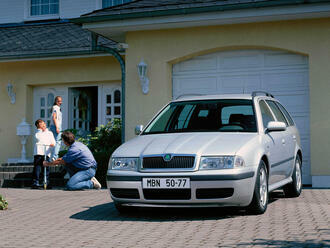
pixel 294 137
pixel 283 141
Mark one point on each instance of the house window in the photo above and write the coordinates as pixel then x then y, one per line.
pixel 110 3
pixel 113 105
pixel 44 7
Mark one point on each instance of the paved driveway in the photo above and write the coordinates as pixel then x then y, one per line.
pixel 57 218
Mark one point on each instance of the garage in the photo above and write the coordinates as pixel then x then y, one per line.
pixel 281 73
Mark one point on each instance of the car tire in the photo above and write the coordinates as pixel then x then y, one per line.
pixel 294 188
pixel 122 209
pixel 260 196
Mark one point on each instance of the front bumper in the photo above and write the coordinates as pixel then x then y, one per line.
pixel 207 188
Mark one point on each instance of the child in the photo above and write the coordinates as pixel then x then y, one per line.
pixel 44 143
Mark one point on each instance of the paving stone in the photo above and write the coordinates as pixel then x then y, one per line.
pixel 57 218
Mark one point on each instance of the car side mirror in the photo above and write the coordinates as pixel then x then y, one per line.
pixel 275 126
pixel 138 129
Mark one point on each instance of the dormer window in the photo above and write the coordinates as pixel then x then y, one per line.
pixel 110 3
pixel 44 7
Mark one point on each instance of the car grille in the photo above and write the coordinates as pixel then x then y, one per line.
pixel 167 194
pixel 214 193
pixel 177 162
pixel 125 193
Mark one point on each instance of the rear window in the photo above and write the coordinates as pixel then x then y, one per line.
pixel 286 113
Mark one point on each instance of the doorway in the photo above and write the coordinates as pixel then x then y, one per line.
pixel 83 109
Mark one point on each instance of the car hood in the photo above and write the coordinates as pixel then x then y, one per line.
pixel 184 143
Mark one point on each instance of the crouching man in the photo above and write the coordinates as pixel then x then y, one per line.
pixel 79 162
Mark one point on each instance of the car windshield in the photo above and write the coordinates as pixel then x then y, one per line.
pixel 226 115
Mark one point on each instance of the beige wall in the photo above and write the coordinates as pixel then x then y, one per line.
pixel 160 49
pixel 25 75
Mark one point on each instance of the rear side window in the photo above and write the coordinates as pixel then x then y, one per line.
pixel 286 113
pixel 265 113
pixel 277 112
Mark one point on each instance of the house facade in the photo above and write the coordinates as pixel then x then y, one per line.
pixel 43 55
pixel 189 47
pixel 215 47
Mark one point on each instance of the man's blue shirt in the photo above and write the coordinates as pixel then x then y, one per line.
pixel 79 156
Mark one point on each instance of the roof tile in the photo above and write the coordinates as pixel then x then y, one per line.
pixel 139 6
pixel 46 38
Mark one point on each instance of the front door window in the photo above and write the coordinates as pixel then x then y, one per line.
pixel 46 102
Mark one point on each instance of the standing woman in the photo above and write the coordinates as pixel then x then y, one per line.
pixel 56 126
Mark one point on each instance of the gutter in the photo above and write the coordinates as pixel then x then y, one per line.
pixel 121 61
pixel 34 23
pixel 51 55
pixel 191 10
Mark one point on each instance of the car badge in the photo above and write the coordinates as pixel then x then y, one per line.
pixel 167 157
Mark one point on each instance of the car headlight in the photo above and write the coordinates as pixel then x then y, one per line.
pixel 124 164
pixel 221 162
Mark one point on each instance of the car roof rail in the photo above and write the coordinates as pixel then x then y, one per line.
pixel 183 95
pixel 255 93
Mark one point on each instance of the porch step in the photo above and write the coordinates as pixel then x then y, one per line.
pixel 20 175
pixel 25 168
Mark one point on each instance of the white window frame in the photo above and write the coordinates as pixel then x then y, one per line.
pixel 47 108
pixel 29 17
pixel 100 3
pixel 43 91
pixel 110 90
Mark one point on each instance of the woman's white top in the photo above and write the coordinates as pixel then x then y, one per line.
pixel 56 109
pixel 43 141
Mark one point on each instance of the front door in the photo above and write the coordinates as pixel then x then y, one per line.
pixel 288 142
pixel 273 142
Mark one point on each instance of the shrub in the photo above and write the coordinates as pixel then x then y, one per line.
pixel 3 203
pixel 102 143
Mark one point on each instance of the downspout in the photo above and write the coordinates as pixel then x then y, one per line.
pixel 121 61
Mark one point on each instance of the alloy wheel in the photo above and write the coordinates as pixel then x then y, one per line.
pixel 298 175
pixel 263 187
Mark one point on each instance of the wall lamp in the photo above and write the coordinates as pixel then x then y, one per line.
pixel 142 71
pixel 11 93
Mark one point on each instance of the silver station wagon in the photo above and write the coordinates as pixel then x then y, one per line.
pixel 211 150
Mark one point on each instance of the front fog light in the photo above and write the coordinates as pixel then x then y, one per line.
pixel 221 162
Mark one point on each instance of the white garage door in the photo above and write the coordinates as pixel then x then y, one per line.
pixel 283 74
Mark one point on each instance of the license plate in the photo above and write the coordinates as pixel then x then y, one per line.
pixel 166 183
